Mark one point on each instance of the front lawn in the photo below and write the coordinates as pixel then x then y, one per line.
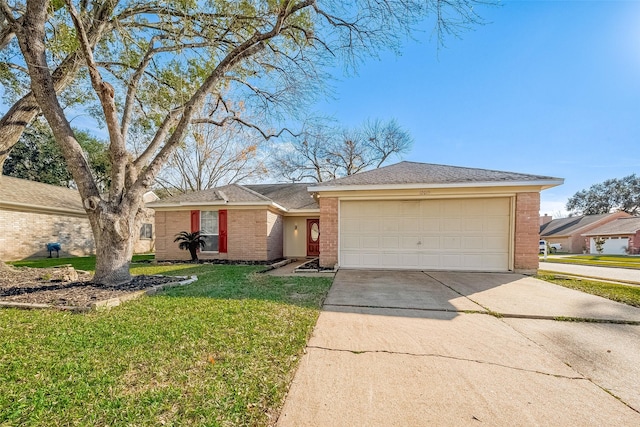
pixel 599 260
pixel 625 294
pixel 221 351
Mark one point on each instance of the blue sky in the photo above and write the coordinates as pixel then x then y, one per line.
pixel 545 87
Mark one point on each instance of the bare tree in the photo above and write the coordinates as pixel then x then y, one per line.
pixel 152 69
pixel 324 152
pixel 211 156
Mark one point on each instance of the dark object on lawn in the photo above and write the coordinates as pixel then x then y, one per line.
pixel 191 241
pixel 54 247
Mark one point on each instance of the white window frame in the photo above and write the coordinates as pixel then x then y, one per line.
pixel 215 232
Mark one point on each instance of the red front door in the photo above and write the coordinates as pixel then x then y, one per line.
pixel 313 237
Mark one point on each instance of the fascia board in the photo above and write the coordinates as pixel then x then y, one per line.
pixel 543 184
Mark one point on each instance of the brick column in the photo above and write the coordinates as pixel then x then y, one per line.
pixel 328 231
pixel 527 232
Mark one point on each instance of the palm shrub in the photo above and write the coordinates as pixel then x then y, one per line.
pixel 190 241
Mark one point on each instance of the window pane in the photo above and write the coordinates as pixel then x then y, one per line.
pixel 209 222
pixel 211 243
pixel 146 231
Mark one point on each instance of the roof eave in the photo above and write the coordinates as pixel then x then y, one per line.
pixel 543 184
pixel 44 209
pixel 215 203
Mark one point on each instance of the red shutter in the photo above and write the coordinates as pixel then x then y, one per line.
pixel 195 221
pixel 222 231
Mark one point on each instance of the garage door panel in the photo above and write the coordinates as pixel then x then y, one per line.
pixel 494 243
pixel 430 224
pixel 409 225
pixel 350 241
pixel 409 208
pixel 474 243
pixel 451 242
pixel 409 242
pixel 495 262
pixel 496 207
pixel 370 225
pixel 353 225
pixel 450 225
pixel 495 224
pixel 430 243
pixel 389 225
pixel 473 261
pixel 430 209
pixel 473 225
pixel 369 242
pixel 452 234
pixel 452 208
pixel 390 242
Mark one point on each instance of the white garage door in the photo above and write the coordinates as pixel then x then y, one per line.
pixel 612 245
pixel 446 234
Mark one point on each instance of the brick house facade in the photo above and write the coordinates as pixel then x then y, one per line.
pixel 407 215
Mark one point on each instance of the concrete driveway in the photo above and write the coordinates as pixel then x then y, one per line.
pixel 428 348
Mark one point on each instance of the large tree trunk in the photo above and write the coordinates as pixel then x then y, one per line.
pixel 115 230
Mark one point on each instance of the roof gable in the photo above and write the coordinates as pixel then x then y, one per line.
pixel 433 174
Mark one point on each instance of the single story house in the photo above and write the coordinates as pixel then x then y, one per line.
pixel 404 216
pixel 569 232
pixel 621 237
pixel 33 214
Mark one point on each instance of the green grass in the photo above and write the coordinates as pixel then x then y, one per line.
pixel 600 260
pixel 625 294
pixel 149 361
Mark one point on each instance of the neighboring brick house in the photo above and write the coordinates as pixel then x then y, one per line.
pixel 403 216
pixel 621 236
pixel 569 232
pixel 33 214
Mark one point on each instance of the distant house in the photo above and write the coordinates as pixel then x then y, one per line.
pixel 621 236
pixel 33 214
pixel 403 216
pixel 569 232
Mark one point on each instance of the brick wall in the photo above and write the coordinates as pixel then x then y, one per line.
pixel 328 231
pixel 275 235
pixel 527 232
pixel 634 243
pixel 167 225
pixel 25 234
pixel 248 232
pixel 247 235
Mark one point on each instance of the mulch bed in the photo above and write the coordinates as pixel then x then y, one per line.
pixel 47 286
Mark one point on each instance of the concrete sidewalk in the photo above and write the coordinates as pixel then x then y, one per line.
pixel 627 275
pixel 412 348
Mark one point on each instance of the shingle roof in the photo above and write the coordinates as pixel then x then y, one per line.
pixel 289 196
pixel 620 226
pixel 16 191
pixel 570 225
pixel 427 173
